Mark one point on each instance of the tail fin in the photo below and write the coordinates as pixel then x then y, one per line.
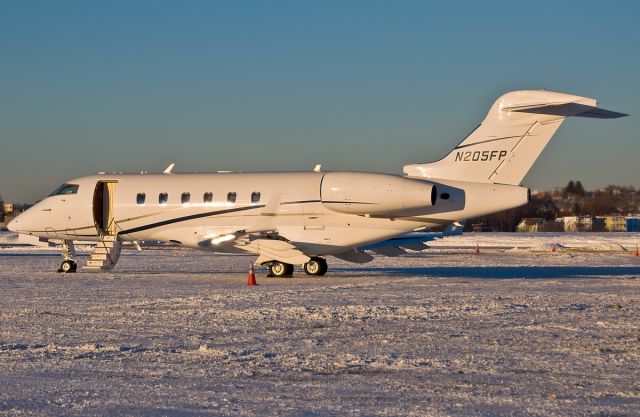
pixel 510 139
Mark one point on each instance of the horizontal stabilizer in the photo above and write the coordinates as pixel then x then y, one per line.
pixel 567 109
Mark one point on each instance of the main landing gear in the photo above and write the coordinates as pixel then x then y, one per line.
pixel 279 269
pixel 68 253
pixel 315 267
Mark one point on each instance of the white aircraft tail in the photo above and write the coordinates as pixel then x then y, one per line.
pixel 511 137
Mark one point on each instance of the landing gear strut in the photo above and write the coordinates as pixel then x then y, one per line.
pixel 316 267
pixel 68 253
pixel 280 269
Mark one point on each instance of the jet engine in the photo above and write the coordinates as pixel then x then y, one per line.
pixel 364 193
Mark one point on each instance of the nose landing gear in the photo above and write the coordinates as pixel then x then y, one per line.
pixel 68 266
pixel 68 253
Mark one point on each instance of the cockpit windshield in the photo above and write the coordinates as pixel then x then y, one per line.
pixel 65 189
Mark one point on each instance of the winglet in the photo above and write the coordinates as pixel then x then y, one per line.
pixel 454 229
pixel 169 169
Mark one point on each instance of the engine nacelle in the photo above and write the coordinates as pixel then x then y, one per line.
pixel 364 193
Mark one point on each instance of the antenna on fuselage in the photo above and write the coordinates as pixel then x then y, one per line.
pixel 169 169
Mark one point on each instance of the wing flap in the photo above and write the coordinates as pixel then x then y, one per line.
pixel 354 256
pixel 391 251
pixel 278 250
pixel 417 246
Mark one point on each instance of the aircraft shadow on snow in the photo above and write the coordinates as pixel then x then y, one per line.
pixel 480 272
pixel 500 272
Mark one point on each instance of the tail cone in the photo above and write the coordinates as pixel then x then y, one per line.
pixel 252 275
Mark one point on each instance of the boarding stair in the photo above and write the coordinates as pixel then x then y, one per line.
pixel 105 254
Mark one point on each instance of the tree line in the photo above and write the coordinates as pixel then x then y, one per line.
pixel 571 200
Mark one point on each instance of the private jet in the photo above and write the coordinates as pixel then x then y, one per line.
pixel 300 218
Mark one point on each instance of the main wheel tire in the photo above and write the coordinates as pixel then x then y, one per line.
pixel 316 267
pixel 68 266
pixel 280 269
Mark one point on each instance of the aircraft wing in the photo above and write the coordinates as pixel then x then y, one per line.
pixel 268 244
pixel 397 246
pixel 413 241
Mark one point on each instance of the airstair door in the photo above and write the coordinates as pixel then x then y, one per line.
pixel 103 203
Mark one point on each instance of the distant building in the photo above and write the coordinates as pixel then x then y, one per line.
pixel 633 224
pixel 614 223
pixel 7 208
pixel 577 223
pixel 530 225
pixel 569 223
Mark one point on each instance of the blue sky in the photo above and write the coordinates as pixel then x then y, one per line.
pixel 363 85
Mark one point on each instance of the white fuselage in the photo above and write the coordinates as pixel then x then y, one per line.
pixel 320 213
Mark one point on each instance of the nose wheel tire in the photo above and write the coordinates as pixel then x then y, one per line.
pixel 280 269
pixel 316 267
pixel 68 266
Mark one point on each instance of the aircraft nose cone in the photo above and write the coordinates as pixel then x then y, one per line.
pixel 20 223
pixel 13 225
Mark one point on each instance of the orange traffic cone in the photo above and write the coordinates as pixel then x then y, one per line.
pixel 252 275
pixel 635 252
pixel 477 248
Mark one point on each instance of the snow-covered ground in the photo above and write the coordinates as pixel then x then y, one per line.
pixel 539 241
pixel 578 241
pixel 445 332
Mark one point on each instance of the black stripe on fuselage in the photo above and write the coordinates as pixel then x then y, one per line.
pixel 299 202
pixel 217 212
pixel 187 218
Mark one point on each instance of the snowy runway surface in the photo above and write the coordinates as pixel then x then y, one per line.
pixel 445 332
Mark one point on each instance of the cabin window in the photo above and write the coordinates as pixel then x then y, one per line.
pixel 231 198
pixel 255 197
pixel 162 198
pixel 66 189
pixel 184 199
pixel 140 199
pixel 207 198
